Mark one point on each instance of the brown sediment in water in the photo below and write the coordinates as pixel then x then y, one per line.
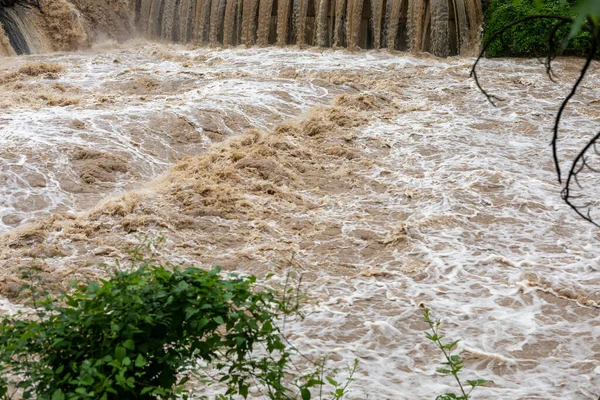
pixel 63 23
pixel 33 85
pixel 264 22
pixel 27 29
pixel 146 84
pixel 106 19
pixel 354 14
pixel 283 11
pixel 267 184
pixel 36 69
pixel 579 294
pixel 229 23
pixel 98 166
pixel 355 199
pixel 59 100
pixel 23 94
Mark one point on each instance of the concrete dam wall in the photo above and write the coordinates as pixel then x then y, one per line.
pixel 441 27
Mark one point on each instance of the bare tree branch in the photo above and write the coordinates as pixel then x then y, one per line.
pixel 588 61
pixel 497 35
pixel 581 163
pixel 572 176
pixel 552 50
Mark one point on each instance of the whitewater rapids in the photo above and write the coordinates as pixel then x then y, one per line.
pixel 391 179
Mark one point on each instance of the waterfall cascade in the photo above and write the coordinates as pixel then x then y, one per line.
pixel 39 26
pixel 441 27
pixel 21 31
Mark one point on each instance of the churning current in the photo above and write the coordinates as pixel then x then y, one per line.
pixel 388 178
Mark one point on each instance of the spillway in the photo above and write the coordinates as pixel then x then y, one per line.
pixel 441 27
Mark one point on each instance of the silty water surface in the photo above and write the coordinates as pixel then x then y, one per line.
pixel 489 245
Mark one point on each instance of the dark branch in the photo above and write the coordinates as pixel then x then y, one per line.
pixel 588 61
pixel 572 176
pixel 581 162
pixel 588 166
pixel 498 34
pixel 552 50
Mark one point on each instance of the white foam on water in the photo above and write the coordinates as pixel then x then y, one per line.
pixel 489 247
pixel 216 93
pixel 486 218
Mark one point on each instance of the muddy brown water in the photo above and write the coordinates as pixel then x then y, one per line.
pixel 389 179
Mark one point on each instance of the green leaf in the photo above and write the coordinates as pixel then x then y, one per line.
pixel 140 361
pixel 314 382
pixel 450 396
pixel 120 353
pixel 93 287
pixel 585 9
pixel 332 381
pixel 589 7
pixel 479 382
pixel 191 311
pixel 146 390
pixel 450 346
pixel 305 393
pixel 203 322
pixel 184 380
pixel 58 395
pixel 134 318
pixel 243 390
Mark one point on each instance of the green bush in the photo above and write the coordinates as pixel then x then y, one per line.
pixel 530 39
pixel 142 333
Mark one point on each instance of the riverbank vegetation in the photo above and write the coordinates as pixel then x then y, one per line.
pixel 148 329
pixel 532 38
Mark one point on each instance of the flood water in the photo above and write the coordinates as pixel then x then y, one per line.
pixel 387 177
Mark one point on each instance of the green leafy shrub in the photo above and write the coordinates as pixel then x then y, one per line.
pixel 531 39
pixel 142 333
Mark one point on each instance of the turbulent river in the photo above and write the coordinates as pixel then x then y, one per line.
pixel 388 178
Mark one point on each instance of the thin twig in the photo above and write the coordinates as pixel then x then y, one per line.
pixel 551 48
pixel 572 176
pixel 498 34
pixel 588 61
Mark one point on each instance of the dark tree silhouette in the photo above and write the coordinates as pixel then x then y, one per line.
pixel 573 183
